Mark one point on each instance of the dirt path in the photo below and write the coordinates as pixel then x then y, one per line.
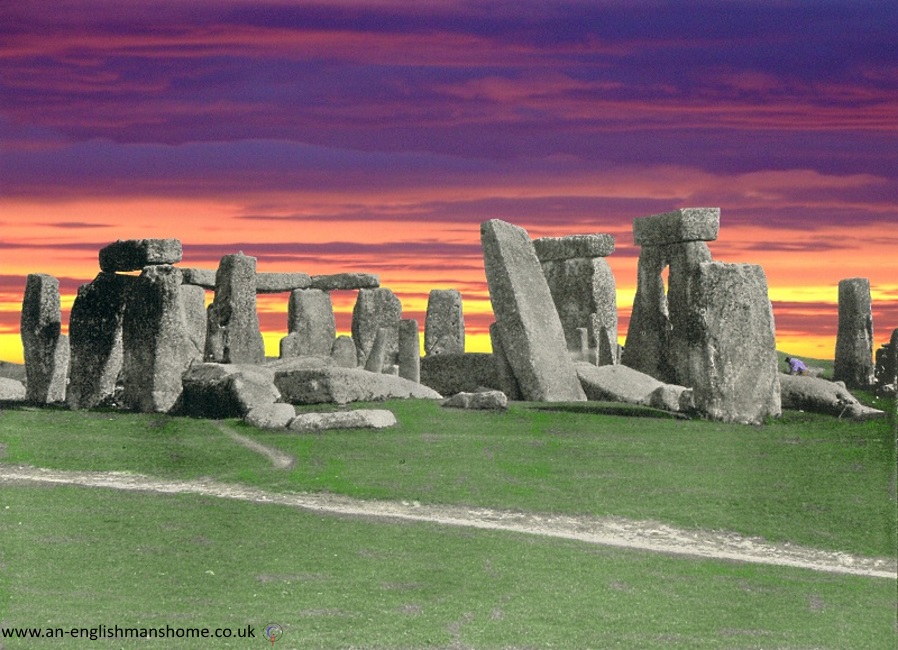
pixel 608 531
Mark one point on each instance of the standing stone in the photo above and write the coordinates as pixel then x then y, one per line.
pixel 409 350
pixel 504 373
pixel 377 358
pixel 344 353
pixel 531 332
pixel 134 254
pixel 732 349
pixel 233 334
pixel 444 325
pixel 46 348
pixel 95 337
pixel 854 340
pixel 374 309
pixel 193 304
pixel 311 323
pixel 156 342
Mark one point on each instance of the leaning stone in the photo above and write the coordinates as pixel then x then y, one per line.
pixel 343 352
pixel 271 416
pixel 214 390
pixel 444 324
pixel 815 395
pixel 343 385
pixel 854 340
pixel 281 282
pixel 685 224
pixel 377 358
pixel 505 380
pixel 156 342
pixel 360 419
pixel 617 384
pixel 549 249
pixel 310 315
pixel 488 400
pixel 532 334
pixel 233 334
pixel 345 282
pixel 374 309
pixel 95 338
pixel 11 390
pixel 448 374
pixel 409 350
pixel 204 278
pixel 732 353
pixel 134 254
pixel 46 348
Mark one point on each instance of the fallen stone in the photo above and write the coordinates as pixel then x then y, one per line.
pixel 454 373
pixel 815 395
pixel 854 340
pixel 617 384
pixel 11 390
pixel 46 348
pixel 344 353
pixel 310 316
pixel 374 309
pixel 343 385
pixel 532 334
pixel 281 282
pixel 271 416
pixel 669 397
pixel 489 400
pixel 409 350
pixel 549 249
pixel 444 324
pixel 214 390
pixel 683 225
pixel 360 419
pixel 204 278
pixel 345 282
pixel 134 254
pixel 232 334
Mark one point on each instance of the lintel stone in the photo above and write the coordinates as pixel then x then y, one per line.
pixel 345 281
pixel 565 248
pixel 683 225
pixel 134 254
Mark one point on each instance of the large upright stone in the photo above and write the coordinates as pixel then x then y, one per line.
pixel 95 337
pixel 134 254
pixel 156 342
pixel 549 249
pixel 685 224
pixel 732 344
pixel 374 309
pixel 444 324
pixel 344 353
pixel 530 329
pixel 409 350
pixel 310 317
pixel 46 348
pixel 854 340
pixel 233 334
pixel 193 304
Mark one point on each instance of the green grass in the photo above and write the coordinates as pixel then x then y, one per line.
pixel 806 479
pixel 77 557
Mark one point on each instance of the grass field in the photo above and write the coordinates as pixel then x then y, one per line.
pixel 81 557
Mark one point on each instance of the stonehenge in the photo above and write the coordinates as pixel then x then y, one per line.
pixel 46 348
pixel 854 340
pixel 444 325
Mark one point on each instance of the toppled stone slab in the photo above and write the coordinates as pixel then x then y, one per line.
pixel 616 383
pixel 204 278
pixel 343 385
pixel 215 390
pixel 854 340
pixel 494 400
pixel 46 348
pixel 454 373
pixel 374 309
pixel 815 395
pixel 281 282
pixel 360 419
pixel 683 225
pixel 134 254
pixel 271 416
pixel 549 249
pixel 11 390
pixel 444 324
pixel 232 334
pixel 532 334
pixel 345 281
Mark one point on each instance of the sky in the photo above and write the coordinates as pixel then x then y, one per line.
pixel 376 136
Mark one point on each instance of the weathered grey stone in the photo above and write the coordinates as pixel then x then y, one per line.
pixel 815 395
pixel 360 419
pixel 505 380
pixel 281 282
pixel 46 348
pixel 454 373
pixel 345 281
pixel 564 248
pixel 193 304
pixel 299 363
pixel 374 309
pixel 409 350
pixel 494 400
pixel 343 385
pixel 377 359
pixel 658 337
pixel 271 416
pixel 344 353
pixel 670 397
pixel 233 334
pixel 310 316
pixel 444 324
pixel 95 338
pixel 732 344
pixel 532 335
pixel 854 340
pixel 134 254
pixel 616 383
pixel 581 287
pixel 156 342
pixel 216 390
pixel 204 278
pixel 11 390
pixel 683 225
